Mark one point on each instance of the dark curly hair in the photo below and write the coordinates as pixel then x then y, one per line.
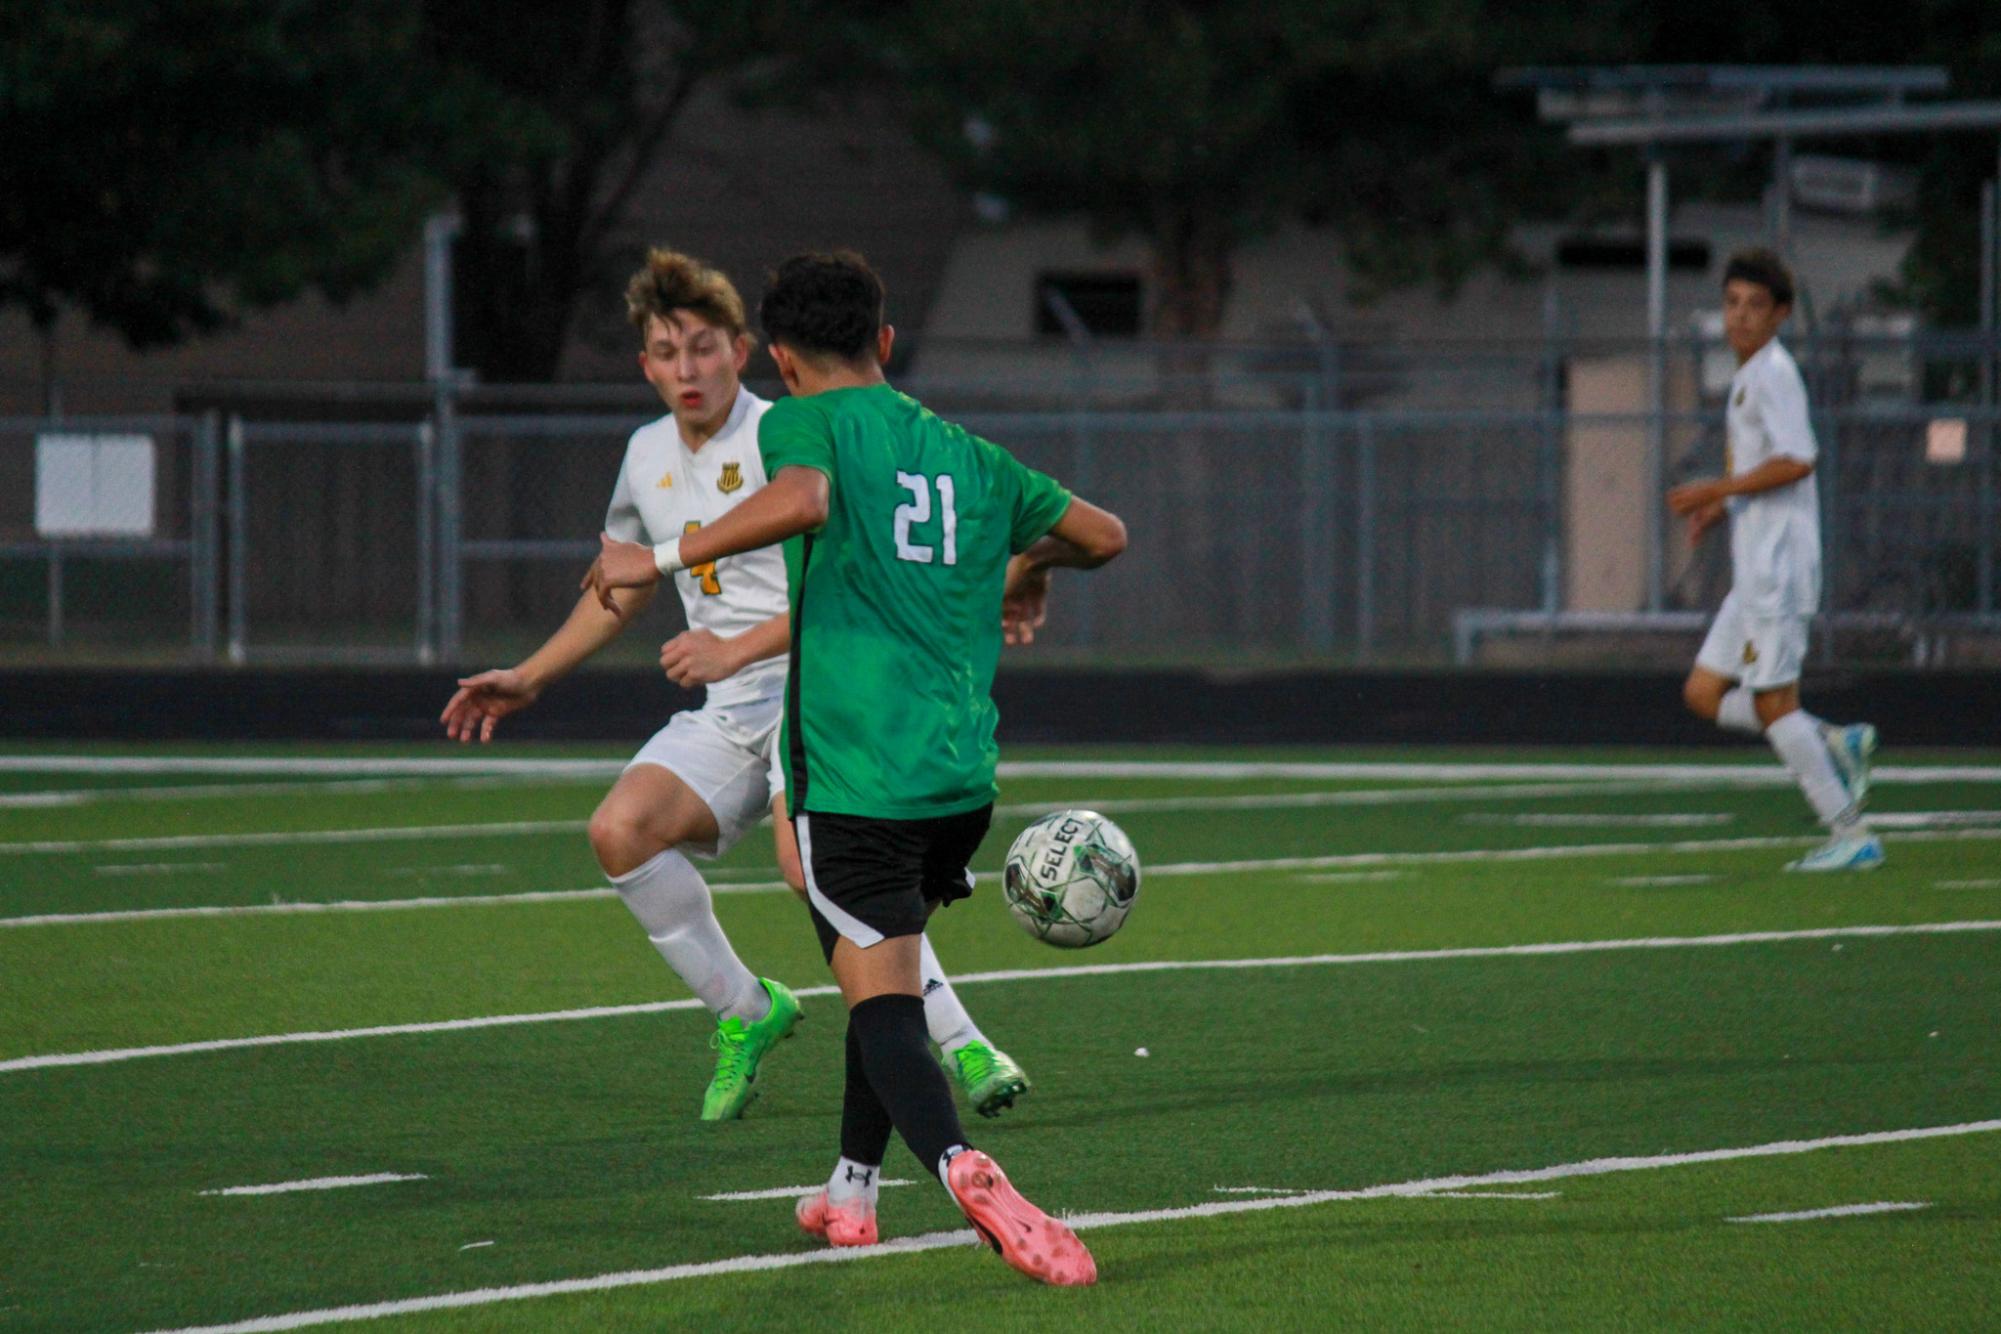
pixel 1759 265
pixel 824 305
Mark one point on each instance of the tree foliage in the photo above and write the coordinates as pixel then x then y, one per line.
pixel 1198 125
pixel 563 109
pixel 170 163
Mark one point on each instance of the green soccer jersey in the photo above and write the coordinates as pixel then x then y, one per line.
pixel 896 602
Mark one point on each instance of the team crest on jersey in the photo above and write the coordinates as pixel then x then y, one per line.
pixel 666 481
pixel 1750 653
pixel 731 478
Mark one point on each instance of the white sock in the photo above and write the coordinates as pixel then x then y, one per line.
pixel 949 1024
pixel 945 1163
pixel 1737 713
pixel 1797 739
pixel 853 1181
pixel 671 900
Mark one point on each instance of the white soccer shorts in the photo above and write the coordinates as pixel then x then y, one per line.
pixel 728 757
pixel 1763 652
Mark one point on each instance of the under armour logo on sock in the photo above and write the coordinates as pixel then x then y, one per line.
pixel 860 1176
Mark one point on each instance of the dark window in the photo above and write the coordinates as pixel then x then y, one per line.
pixel 1613 252
pixel 1108 304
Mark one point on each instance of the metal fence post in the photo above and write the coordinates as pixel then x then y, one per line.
pixel 425 446
pixel 1990 319
pixel 203 540
pixel 451 528
pixel 1085 590
pixel 1984 516
pixel 1830 530
pixel 1365 539
pixel 1316 591
pixel 55 627
pixel 239 542
pixel 1550 456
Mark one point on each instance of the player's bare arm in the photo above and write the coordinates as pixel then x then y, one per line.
pixel 481 701
pixel 794 502
pixel 1084 538
pixel 703 657
pixel 1770 475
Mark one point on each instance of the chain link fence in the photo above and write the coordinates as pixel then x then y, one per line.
pixel 1273 519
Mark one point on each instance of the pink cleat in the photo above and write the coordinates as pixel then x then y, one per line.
pixel 841 1224
pixel 1028 1239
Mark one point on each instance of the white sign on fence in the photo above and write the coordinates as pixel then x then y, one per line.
pixel 94 485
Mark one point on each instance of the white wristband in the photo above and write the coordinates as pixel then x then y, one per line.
pixel 667 557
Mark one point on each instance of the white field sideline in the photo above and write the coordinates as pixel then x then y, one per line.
pixel 516 828
pixel 1749 770
pixel 1118 806
pixel 932 1241
pixel 1540 950
pixel 1838 1211
pixel 318 1183
pixel 1331 861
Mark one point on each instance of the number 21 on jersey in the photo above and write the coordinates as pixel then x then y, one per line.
pixel 917 510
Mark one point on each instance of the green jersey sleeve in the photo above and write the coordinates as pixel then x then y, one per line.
pixel 1039 499
pixel 796 433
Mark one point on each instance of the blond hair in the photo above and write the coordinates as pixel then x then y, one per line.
pixel 673 281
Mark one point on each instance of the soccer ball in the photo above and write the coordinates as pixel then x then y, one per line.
pixel 1071 878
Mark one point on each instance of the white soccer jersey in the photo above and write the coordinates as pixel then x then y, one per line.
pixel 666 489
pixel 1774 535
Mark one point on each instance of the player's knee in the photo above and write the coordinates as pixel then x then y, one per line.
pixel 1702 698
pixel 620 839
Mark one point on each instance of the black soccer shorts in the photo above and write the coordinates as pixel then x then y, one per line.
pixel 869 879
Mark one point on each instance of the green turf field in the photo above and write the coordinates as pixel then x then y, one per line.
pixel 1523 1039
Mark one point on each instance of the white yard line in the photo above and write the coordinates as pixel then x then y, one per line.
pixel 1537 854
pixel 1496 1195
pixel 1661 881
pixel 336 766
pixel 789 1192
pixel 1545 949
pixel 1329 862
pixel 286 838
pixel 1383 796
pixel 1597 820
pixel 1349 877
pixel 1273 801
pixel 1966 884
pixel 932 1241
pixel 92 796
pixel 319 1183
pixel 335 906
pixel 1757 772
pixel 163 868
pixel 1933 819
pixel 1839 1211
pixel 1761 773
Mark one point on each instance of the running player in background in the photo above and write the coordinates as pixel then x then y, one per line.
pixel 908 542
pixel 710 774
pixel 1746 676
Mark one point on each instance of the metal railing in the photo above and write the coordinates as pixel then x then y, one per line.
pixel 1305 529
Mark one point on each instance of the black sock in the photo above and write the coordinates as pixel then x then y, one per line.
pixel 865 1124
pixel 889 1031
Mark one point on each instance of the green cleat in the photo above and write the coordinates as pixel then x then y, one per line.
pixel 739 1047
pixel 990 1077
